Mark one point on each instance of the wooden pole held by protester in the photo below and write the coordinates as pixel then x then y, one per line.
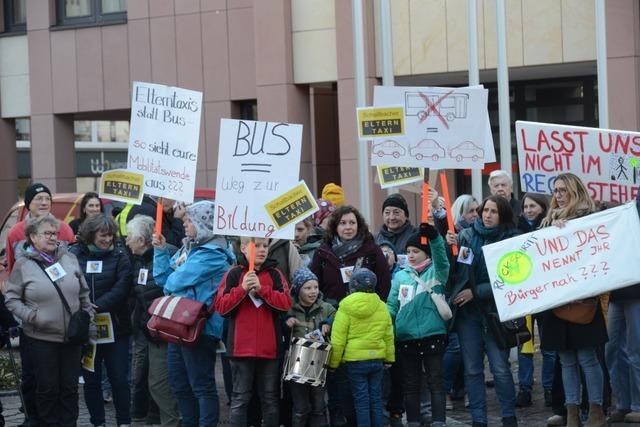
pixel 252 255
pixel 447 204
pixel 158 228
pixel 425 203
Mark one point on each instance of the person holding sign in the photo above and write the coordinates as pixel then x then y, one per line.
pixel 195 271
pixel 576 344
pixel 33 298
pixel 420 330
pixel 253 300
pixel 108 271
pixel 473 305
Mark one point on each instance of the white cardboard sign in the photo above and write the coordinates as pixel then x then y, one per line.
pixel 607 161
pixel 163 139
pixel 257 161
pixel 553 266
pixel 445 128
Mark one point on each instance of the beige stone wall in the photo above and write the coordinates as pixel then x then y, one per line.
pixel 430 36
pixel 14 77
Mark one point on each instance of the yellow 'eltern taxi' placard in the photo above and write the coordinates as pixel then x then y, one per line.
pixel 122 185
pixel 292 206
pixel 379 122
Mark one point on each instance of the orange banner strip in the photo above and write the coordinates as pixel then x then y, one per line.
pixel 447 204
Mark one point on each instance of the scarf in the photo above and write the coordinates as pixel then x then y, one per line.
pixel 462 224
pixel 343 249
pixel 94 250
pixel 481 236
pixel 48 259
pixel 419 268
pixel 562 213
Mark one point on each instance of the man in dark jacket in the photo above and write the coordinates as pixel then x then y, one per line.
pixel 501 184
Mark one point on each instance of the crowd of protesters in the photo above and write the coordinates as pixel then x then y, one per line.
pixel 408 322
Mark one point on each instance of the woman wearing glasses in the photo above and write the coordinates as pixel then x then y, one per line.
pixel 576 344
pixel 33 298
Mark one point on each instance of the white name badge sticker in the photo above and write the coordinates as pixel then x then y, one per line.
pixel 94 267
pixel 346 273
pixel 143 275
pixel 465 256
pixel 403 260
pixel 55 272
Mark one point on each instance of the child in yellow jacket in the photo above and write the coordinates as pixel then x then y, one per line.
pixel 362 339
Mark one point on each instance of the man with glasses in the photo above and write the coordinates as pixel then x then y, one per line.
pixel 37 200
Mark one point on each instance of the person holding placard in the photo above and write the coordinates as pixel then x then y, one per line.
pixel 34 299
pixel 474 305
pixel 195 271
pixel 108 272
pixel 576 344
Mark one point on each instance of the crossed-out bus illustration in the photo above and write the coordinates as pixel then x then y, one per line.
pixel 451 107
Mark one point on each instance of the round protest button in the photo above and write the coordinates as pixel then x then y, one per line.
pixel 514 267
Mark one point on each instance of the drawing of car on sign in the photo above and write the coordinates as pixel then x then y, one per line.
pixel 466 150
pixel 389 147
pixel 427 148
pixel 453 106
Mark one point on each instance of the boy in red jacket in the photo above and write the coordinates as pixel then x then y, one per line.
pixel 253 302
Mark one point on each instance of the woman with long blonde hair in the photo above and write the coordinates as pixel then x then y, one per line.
pixel 576 344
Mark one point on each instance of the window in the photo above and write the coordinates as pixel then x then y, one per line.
pixel 15 16
pixel 23 129
pixel 87 12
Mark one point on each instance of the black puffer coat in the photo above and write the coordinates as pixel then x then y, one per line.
pixel 110 289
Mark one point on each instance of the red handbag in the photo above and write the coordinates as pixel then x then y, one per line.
pixel 177 320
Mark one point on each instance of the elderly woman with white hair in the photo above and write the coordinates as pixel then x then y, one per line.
pixel 139 239
pixel 195 271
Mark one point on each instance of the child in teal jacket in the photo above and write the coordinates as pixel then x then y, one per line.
pixel 420 331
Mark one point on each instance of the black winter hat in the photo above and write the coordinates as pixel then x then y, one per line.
pixel 397 201
pixel 416 241
pixel 363 280
pixel 32 191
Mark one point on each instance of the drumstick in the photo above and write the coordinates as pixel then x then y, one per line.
pixel 252 255
pixel 158 229
pixel 425 204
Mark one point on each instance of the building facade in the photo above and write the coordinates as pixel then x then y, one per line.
pixel 67 67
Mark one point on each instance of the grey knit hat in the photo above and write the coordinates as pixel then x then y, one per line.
pixel 362 280
pixel 300 277
pixel 202 214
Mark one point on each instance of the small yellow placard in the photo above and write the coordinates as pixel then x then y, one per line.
pixel 392 176
pixel 292 206
pixel 89 356
pixel 378 122
pixel 104 327
pixel 122 185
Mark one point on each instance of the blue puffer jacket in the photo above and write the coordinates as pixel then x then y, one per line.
pixel 200 269
pixel 419 318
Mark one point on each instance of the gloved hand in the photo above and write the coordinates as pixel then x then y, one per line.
pixel 428 230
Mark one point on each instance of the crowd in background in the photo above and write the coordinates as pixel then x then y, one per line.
pixel 408 322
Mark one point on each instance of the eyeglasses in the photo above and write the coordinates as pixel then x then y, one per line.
pixel 49 234
pixel 561 191
pixel 42 199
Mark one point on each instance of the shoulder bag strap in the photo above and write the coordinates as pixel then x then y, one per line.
pixel 62 298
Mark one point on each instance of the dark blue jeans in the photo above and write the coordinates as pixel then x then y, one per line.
pixel 116 360
pixel 192 381
pixel 365 380
pixel 451 362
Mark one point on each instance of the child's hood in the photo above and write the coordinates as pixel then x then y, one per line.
pixel 361 305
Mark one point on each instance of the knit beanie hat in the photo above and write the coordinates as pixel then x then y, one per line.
pixel 396 200
pixel 300 277
pixel 415 240
pixel 326 207
pixel 363 280
pixel 202 214
pixel 333 193
pixel 32 191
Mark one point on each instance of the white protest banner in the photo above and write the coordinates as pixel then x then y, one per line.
pixel 606 160
pixel 444 128
pixel 257 161
pixel 163 139
pixel 552 266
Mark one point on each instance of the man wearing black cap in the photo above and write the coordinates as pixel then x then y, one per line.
pixel 396 227
pixel 37 200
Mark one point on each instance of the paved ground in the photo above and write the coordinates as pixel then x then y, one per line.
pixel 534 416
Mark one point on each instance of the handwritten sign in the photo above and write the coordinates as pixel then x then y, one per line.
pixel 393 176
pixel 122 185
pixel 444 128
pixel 256 162
pixel 292 206
pixel 550 267
pixel 381 122
pixel 163 139
pixel 607 161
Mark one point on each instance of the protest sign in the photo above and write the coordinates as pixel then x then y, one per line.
pixel 256 162
pixel 375 123
pixel 552 266
pixel 292 206
pixel 163 139
pixel 122 185
pixel 606 160
pixel 393 176
pixel 444 128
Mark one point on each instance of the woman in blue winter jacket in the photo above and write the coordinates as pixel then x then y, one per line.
pixel 195 271
pixel 420 331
